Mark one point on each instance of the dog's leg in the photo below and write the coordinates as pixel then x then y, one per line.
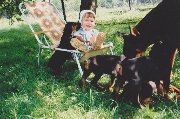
pixel 166 81
pixel 95 80
pixel 112 83
pixel 159 88
pixel 83 80
pixel 172 60
pixel 166 84
pixel 118 84
pixel 135 95
pixel 148 88
pixel 136 101
pixel 168 62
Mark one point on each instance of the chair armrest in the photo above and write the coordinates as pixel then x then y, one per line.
pixel 107 44
pixel 39 32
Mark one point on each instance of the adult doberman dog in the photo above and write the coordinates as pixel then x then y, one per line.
pixel 161 27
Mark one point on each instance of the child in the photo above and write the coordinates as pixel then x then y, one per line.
pixel 87 38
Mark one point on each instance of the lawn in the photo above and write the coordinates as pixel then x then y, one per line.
pixel 29 92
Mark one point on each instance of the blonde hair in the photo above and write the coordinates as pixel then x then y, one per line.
pixel 86 13
pixel 89 14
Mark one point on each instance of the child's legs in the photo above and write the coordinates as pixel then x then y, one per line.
pixel 76 43
pixel 99 41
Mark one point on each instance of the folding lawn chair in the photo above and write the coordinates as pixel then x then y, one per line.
pixel 52 24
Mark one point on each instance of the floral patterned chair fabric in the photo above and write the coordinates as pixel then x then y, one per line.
pixel 48 18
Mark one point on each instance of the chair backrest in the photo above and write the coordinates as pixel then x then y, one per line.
pixel 48 17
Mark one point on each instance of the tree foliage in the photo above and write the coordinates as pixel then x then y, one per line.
pixel 9 9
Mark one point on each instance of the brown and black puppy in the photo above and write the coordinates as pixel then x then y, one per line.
pixel 136 71
pixel 148 88
pixel 58 59
pixel 99 65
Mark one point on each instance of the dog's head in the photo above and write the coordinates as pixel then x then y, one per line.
pixel 133 44
pixel 75 26
pixel 130 47
pixel 71 27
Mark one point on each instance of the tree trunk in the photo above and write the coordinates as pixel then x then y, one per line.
pixel 88 5
pixel 130 2
pixel 63 7
pixel 17 2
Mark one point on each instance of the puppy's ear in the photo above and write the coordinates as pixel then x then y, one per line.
pixel 133 31
pixel 73 27
pixel 139 53
pixel 130 30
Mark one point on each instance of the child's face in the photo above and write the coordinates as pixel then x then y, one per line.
pixel 88 23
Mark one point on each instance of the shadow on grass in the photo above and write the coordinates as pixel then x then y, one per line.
pixel 28 90
pixel 23 84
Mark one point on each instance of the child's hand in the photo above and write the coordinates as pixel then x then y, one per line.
pixel 92 39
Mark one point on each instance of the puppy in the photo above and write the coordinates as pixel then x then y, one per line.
pixel 136 72
pixel 99 65
pixel 148 88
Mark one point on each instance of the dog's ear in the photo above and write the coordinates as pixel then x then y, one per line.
pixel 133 31
pixel 121 34
pixel 139 53
pixel 74 27
pixel 130 30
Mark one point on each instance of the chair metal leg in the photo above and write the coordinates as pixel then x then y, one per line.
pixel 111 50
pixel 78 63
pixel 39 56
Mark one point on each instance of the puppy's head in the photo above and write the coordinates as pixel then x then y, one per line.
pixel 75 26
pixel 71 27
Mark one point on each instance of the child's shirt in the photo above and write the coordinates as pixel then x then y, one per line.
pixel 86 35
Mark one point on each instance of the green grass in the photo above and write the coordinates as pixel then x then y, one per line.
pixel 29 92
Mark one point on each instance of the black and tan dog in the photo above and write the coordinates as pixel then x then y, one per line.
pixel 58 59
pixel 137 72
pixel 161 27
pixel 99 65
pixel 147 90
